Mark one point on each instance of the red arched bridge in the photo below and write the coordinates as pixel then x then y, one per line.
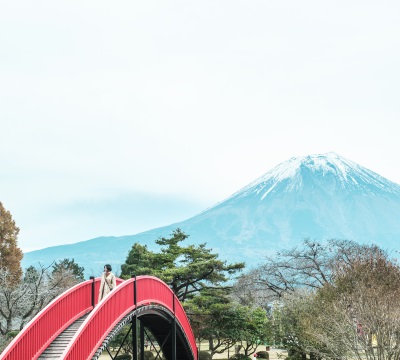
pixel 73 327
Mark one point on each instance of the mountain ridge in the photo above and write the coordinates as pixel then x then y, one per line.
pixel 317 196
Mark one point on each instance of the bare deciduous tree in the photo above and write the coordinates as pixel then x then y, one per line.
pixel 310 266
pixel 358 316
pixel 19 303
pixel 317 324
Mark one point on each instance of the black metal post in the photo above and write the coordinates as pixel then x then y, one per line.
pixel 93 299
pixel 134 324
pixel 141 341
pixel 173 334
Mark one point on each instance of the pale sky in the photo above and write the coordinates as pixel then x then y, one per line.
pixel 118 117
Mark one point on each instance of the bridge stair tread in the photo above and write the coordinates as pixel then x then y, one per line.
pixel 59 344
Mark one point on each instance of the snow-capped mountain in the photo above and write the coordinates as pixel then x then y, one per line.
pixel 317 196
pixel 328 168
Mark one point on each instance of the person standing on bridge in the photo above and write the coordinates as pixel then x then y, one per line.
pixel 107 283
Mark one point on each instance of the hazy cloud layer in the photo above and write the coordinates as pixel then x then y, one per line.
pixel 182 103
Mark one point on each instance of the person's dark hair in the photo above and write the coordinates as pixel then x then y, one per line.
pixel 108 267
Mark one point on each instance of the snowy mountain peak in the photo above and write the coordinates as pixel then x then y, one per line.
pixel 325 163
pixel 322 170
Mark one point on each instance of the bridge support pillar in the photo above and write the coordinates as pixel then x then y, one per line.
pixel 134 338
pixel 134 324
pixel 173 333
pixel 141 341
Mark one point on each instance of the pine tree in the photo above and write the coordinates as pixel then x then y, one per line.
pixel 186 269
pixel 10 254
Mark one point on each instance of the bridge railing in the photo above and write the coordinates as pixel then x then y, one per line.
pixel 184 321
pixel 79 300
pixel 100 322
pixel 52 320
pixel 116 306
pixel 151 289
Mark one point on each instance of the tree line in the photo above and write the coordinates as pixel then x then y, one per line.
pixel 337 300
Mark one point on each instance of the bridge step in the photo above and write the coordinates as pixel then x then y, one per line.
pixel 59 344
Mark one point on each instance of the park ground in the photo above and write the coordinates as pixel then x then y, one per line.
pixel 274 353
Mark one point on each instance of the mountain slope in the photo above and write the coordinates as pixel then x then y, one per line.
pixel 317 196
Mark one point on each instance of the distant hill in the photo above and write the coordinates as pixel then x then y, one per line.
pixel 318 196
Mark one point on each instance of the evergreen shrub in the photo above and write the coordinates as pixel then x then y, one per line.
pixel 123 357
pixel 148 355
pixel 204 355
pixel 263 355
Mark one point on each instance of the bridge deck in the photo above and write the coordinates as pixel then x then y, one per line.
pixel 59 344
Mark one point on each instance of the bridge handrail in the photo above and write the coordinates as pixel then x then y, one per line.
pixel 49 322
pixel 170 301
pixel 52 320
pixel 116 306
